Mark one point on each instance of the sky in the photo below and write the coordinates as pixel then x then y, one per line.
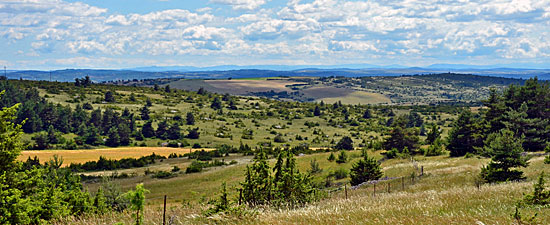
pixel 114 34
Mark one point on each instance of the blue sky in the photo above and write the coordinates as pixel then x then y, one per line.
pixel 57 34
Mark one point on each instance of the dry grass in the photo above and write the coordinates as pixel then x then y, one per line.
pixel 81 156
pixel 359 97
pixel 242 87
pixel 445 195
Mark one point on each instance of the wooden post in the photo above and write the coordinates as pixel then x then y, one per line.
pixel 346 190
pixel 164 212
pixel 137 217
pixel 389 187
pixel 374 190
pixel 240 195
pixel 403 183
pixel 422 171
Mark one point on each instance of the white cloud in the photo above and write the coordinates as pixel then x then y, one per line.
pixel 305 31
pixel 241 4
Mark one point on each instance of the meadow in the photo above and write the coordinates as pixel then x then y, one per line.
pixel 446 193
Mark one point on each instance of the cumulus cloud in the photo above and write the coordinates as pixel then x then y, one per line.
pixel 241 4
pixel 304 31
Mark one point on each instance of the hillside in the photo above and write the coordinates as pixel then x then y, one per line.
pixel 444 88
pixel 203 139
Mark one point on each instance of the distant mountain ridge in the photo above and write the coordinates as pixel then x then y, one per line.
pixel 232 71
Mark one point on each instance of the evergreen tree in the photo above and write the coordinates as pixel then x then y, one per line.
pixel 364 170
pixel 367 114
pixel 162 130
pixel 331 157
pixel 540 196
pixel 95 118
pixel 346 143
pixel 167 89
pixel 190 119
pixel 174 132
pixel 401 138
pixel 216 103
pixel 317 111
pixel 342 157
pixel 124 134
pixel 52 136
pixel 144 113
pixel 92 136
pixel 433 134
pixel 532 129
pixel 465 135
pixel 193 133
pixel 113 139
pixel 505 150
pixel 147 130
pixel 109 96
pixel 496 109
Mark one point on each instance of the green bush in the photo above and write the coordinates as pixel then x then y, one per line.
pixel 338 174
pixel 195 167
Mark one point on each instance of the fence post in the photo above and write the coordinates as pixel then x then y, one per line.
pixel 389 187
pixel 403 183
pixel 164 212
pixel 346 190
pixel 374 190
pixel 422 171
pixel 240 195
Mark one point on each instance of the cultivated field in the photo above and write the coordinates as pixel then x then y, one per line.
pixel 82 156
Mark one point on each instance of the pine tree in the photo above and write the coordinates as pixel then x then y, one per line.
pixel 216 103
pixel 433 134
pixel 505 150
pixel 540 196
pixel 109 96
pixel 144 113
pixel 190 119
pixel 147 130
pixel 364 170
pixel 367 114
pixel 346 143
pixel 317 111
pixel 342 157
pixel 113 139
pixel 162 130
pixel 465 135
pixel 331 157
pixel 174 132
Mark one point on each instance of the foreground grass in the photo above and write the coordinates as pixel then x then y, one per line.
pixel 446 194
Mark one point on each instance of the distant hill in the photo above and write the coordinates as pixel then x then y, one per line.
pixel 223 72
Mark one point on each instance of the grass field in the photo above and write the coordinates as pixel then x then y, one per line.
pixel 446 194
pixel 359 97
pixel 81 156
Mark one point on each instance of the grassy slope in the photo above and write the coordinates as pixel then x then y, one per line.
pixel 446 194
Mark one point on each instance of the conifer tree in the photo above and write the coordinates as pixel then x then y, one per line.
pixel 147 130
pixel 505 150
pixel 364 170
pixel 464 136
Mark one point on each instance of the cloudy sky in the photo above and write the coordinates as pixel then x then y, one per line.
pixel 54 34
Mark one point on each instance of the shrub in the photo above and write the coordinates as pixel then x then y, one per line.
pixel 314 167
pixel 331 157
pixel 540 196
pixel 175 169
pixel 338 174
pixel 342 157
pixel 195 167
pixel 163 174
